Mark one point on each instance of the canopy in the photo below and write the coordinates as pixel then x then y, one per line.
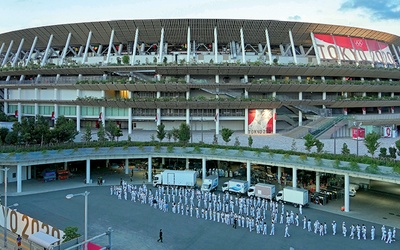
pixel 42 239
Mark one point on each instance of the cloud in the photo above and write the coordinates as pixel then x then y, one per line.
pixel 378 9
pixel 295 18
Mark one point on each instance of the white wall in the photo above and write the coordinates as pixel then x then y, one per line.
pixel 91 93
pixel 67 94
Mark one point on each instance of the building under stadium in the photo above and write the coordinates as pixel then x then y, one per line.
pixel 253 76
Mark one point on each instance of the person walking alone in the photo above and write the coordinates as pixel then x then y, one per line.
pixel 160 236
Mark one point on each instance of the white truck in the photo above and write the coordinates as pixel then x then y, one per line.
pixel 210 183
pixel 262 190
pixel 186 178
pixel 295 196
pixel 235 186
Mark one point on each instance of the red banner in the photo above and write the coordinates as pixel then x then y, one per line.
pixel 260 121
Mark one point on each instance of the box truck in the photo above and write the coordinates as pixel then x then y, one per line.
pixel 262 190
pixel 235 186
pixel 210 183
pixel 186 178
pixel 295 196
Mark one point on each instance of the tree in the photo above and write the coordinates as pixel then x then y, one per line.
pixel 309 142
pixel 345 149
pixel 184 133
pixel 70 233
pixel 161 132
pixel 64 130
pixel 226 133
pixel 237 142
pixel 392 152
pixel 101 134
pixel 371 142
pixel 293 147
pixel 175 134
pixel 12 138
pixel 3 134
pixel 87 136
pixel 113 131
pixel 125 59
pixel 215 139
pixel 250 141
pixel 382 153
pixel 319 145
pixel 169 136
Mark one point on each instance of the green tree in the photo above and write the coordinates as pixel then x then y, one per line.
pixel 161 132
pixel 309 142
pixel 184 133
pixel 345 149
pixel 371 142
pixel 113 131
pixel 125 59
pixel 237 142
pixel 87 136
pixel 12 138
pixel 175 134
pixel 169 136
pixel 3 134
pixel 392 152
pixel 101 133
pixel 226 134
pixel 319 145
pixel 382 153
pixel 64 130
pixel 70 233
pixel 250 141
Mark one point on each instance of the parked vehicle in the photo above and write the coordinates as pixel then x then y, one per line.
pixel 235 186
pixel 186 178
pixel 210 183
pixel 262 190
pixel 295 196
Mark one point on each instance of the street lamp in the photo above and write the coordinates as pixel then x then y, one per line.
pixel 86 193
pixel 358 133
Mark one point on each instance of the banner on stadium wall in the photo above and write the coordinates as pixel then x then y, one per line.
pixel 387 132
pixel 330 47
pixel 260 121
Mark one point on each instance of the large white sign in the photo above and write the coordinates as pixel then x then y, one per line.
pixel 330 47
pixel 24 225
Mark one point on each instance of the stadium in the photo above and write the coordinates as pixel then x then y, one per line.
pixel 252 76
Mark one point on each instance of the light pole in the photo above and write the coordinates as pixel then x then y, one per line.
pixel 358 133
pixel 334 140
pixel 86 193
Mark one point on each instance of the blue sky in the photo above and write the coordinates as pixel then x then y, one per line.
pixel 382 15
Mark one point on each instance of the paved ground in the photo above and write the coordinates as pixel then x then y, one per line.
pixel 136 226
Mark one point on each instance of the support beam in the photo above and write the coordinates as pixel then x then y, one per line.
pixel 294 177
pixel 110 47
pixel 87 171
pixel 346 193
pixel 188 49
pixel 149 169
pixel 242 46
pixel 317 181
pixel 217 121
pixel 215 45
pixel 161 47
pixel 126 166
pixel 7 53
pixel 135 47
pixel 65 50
pixel 130 120
pixel 46 52
pixel 317 55
pixel 16 55
pixel 248 172
pixel 203 168
pixel 268 46
pixel 19 178
pixel 279 174
pixel 293 48
pixel 246 118
pixel 84 58
pixel 31 51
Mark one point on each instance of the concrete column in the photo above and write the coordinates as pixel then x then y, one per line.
pixel 346 193
pixel 300 112
pixel 126 166
pixel 216 121
pixel 87 171
pixel 103 117
pixel 203 167
pixel 274 121
pixel 66 165
pixel 29 172
pixel 317 182
pixel 187 164
pixel 188 116
pixel 158 116
pixel 279 174
pixel 246 93
pixel 163 162
pixel 19 112
pixel 78 118
pixel 248 172
pixel 294 177
pixel 19 178
pixel 129 121
pixel 246 118
pixel 149 169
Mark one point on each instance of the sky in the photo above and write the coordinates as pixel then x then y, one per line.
pixel 381 15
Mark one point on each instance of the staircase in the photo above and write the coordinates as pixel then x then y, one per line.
pixel 329 124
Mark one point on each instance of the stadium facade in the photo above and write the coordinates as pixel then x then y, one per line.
pixel 254 76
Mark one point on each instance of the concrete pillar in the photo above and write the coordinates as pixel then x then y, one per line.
pixel 248 172
pixel 279 174
pixel 216 121
pixel 87 171
pixel 346 193
pixel 19 178
pixel 246 118
pixel 66 165
pixel 203 167
pixel 300 112
pixel 187 164
pixel 29 172
pixel 149 169
pixel 317 182
pixel 162 162
pixel 294 177
pixel 126 166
